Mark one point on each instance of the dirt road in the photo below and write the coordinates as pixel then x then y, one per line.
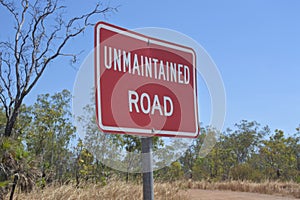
pixel 196 194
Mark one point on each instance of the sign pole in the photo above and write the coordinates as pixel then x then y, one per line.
pixel 148 193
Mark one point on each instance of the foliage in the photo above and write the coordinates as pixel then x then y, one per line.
pixel 39 151
pixel 247 154
pixel 279 157
pixel 16 162
pixel 40 31
pixel 40 154
pixel 49 134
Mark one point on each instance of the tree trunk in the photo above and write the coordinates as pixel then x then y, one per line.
pixel 10 125
pixel 12 120
pixel 127 177
pixel 13 187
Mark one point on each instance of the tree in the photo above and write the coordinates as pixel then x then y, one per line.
pixel 192 153
pixel 216 165
pixel 49 134
pixel 245 139
pixel 17 166
pixel 40 34
pixel 83 163
pixel 279 156
pixel 40 149
pixel 2 120
pixel 170 173
pixel 121 151
pixel 232 149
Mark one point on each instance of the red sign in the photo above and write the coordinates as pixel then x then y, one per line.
pixel 143 85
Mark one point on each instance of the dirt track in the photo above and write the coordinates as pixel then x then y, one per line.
pixel 196 194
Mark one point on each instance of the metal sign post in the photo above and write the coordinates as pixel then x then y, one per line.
pixel 148 193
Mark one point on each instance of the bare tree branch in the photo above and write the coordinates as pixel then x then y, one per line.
pixel 18 51
pixel 41 32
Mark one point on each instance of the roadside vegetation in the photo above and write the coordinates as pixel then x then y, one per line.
pixel 42 155
pixel 178 190
pixel 113 190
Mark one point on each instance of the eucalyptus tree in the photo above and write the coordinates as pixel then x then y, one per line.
pixel 41 31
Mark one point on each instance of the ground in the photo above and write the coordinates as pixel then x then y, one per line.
pixel 196 194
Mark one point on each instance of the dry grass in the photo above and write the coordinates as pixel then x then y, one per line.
pixel 273 188
pixel 163 191
pixel 114 190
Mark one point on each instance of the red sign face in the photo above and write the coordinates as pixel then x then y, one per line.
pixel 144 86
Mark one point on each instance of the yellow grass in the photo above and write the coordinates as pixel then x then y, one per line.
pixel 268 187
pixel 115 190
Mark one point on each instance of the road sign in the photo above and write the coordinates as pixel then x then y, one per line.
pixel 144 85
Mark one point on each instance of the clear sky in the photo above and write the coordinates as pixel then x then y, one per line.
pixel 255 45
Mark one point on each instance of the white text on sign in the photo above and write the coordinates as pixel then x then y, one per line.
pixel 121 61
pixel 137 102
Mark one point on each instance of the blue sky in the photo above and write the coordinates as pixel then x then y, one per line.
pixel 255 45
